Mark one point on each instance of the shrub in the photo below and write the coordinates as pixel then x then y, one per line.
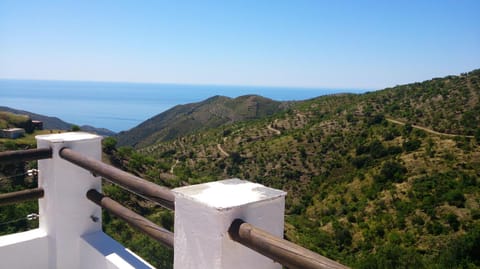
pixel 377 150
pixel 109 144
pixel 464 250
pixel 455 198
pixel 342 235
pixel 376 119
pixel 418 220
pixel 391 172
pixel 236 157
pixel 407 128
pixel 412 145
pixel 390 134
pixel 362 161
pixel 394 150
pixel 435 228
pixel 392 255
pixel 453 221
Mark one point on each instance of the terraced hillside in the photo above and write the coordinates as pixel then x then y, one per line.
pixel 388 179
pixel 211 113
pixel 374 180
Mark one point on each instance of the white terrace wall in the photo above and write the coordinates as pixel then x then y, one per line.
pixel 204 213
pixel 70 232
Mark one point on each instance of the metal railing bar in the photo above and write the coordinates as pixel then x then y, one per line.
pixel 25 155
pixel 278 249
pixel 151 229
pixel 151 191
pixel 21 196
pixel 273 247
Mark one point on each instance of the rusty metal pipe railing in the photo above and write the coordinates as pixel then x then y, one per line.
pixel 158 233
pixel 25 155
pixel 21 196
pixel 275 248
pixel 151 191
pixel 278 249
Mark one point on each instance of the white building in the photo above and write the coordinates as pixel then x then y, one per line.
pixel 12 133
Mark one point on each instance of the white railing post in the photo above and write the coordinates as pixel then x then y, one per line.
pixel 65 212
pixel 204 213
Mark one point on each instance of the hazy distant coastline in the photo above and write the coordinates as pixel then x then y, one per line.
pixel 121 106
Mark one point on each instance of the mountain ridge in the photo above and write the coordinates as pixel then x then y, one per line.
pixel 186 118
pixel 56 123
pixel 386 179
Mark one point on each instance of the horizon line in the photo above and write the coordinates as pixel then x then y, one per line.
pixel 362 89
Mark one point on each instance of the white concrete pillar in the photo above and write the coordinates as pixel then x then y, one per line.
pixel 65 212
pixel 204 213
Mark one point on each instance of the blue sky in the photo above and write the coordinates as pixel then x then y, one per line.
pixel 337 44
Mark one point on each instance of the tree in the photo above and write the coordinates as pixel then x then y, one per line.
pixel 342 235
pixel 453 221
pixel 412 145
pixel 377 149
pixel 236 158
pixel 109 144
pixel 407 128
pixel 392 256
pixel 391 172
pixel 375 119
pixel 455 198
pixel 75 128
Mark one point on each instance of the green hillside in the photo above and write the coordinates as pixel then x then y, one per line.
pixel 211 113
pixel 51 123
pixel 11 120
pixel 387 179
pixel 449 105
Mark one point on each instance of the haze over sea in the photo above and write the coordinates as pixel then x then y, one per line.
pixel 121 106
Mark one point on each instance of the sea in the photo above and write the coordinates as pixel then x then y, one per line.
pixel 122 106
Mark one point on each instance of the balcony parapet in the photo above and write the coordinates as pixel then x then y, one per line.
pixel 232 223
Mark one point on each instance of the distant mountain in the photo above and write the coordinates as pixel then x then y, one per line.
pixel 56 123
pixel 211 113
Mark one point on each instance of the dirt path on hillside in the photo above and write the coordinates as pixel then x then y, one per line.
pixel 222 151
pixel 269 127
pixel 173 166
pixel 427 129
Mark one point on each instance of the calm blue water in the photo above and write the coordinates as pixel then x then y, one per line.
pixel 121 106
